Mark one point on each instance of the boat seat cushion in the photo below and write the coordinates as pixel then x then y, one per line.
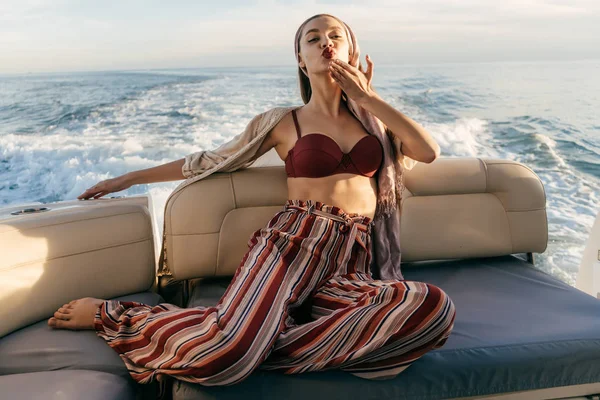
pixel 67 385
pixel 38 347
pixel 517 328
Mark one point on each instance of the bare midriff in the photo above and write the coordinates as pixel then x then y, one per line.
pixel 354 194
pixel 350 192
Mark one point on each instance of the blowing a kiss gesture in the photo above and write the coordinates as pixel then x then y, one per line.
pixel 353 81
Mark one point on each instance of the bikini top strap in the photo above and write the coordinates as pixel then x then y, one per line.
pixel 296 123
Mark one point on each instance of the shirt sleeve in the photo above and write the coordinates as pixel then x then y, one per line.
pixel 203 160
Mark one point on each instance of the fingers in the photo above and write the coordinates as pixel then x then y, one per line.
pixel 334 71
pixel 337 70
pixel 89 192
pixel 370 66
pixel 95 191
pixel 344 66
pixel 86 195
pixel 101 194
pixel 337 76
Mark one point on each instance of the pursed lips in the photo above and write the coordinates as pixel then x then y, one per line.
pixel 328 53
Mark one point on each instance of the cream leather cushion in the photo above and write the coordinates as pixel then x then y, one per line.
pixel 452 208
pixel 93 250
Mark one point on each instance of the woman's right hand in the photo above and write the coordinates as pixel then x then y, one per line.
pixel 105 187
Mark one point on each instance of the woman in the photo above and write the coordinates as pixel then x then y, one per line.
pixel 305 257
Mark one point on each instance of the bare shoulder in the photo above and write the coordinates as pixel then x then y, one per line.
pixel 282 135
pixel 278 137
pixel 280 132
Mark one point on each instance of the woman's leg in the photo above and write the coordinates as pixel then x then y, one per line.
pixel 415 318
pixel 372 328
pixel 222 345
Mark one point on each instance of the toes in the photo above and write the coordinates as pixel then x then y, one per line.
pixel 60 316
pixel 57 323
pixel 64 310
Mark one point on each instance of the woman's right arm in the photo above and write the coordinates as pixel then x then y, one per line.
pixel 162 173
pixel 186 167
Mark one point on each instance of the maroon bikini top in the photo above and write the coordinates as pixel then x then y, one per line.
pixel 316 155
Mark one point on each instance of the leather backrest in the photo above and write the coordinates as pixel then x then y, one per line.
pixel 452 208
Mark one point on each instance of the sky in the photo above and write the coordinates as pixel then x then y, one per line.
pixel 84 35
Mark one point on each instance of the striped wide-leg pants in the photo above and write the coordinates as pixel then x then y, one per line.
pixel 303 299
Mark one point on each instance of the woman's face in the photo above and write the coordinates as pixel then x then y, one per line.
pixel 318 34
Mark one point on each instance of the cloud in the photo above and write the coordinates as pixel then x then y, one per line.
pixel 67 34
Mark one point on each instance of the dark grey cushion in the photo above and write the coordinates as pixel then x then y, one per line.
pixel 207 291
pixel 66 385
pixel 517 328
pixel 38 347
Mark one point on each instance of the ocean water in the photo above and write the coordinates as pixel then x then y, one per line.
pixel 62 133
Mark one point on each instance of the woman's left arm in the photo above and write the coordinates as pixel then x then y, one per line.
pixel 417 143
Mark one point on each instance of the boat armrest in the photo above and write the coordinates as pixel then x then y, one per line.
pixel 65 253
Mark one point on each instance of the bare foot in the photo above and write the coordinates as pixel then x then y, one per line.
pixel 78 314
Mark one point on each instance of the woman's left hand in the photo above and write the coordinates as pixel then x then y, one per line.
pixel 353 81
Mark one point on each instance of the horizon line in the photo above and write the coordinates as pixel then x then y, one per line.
pixel 279 66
